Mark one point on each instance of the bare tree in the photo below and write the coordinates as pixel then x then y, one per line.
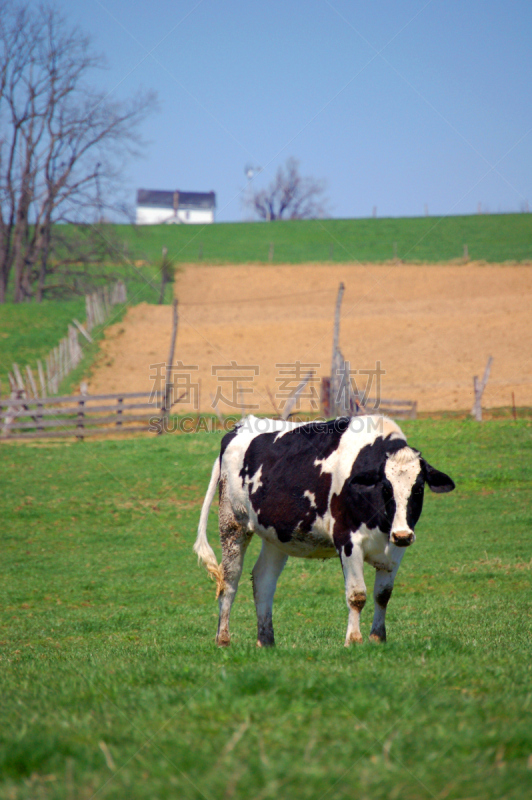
pixel 81 257
pixel 290 196
pixel 62 143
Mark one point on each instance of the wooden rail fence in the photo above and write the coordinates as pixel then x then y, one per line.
pixel 67 355
pixel 79 416
pixel 398 409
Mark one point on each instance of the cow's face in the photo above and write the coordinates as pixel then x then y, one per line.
pixel 392 496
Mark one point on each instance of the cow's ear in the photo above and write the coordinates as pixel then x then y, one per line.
pixel 437 481
pixel 369 478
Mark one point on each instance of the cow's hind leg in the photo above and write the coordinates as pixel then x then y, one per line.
pixel 235 539
pixel 265 574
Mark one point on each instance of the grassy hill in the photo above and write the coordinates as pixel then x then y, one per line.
pixel 495 238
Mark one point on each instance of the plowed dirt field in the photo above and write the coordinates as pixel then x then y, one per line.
pixel 431 327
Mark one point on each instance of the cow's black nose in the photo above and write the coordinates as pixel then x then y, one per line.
pixel 402 538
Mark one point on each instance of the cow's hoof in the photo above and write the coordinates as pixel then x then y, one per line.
pixel 374 637
pixel 354 640
pixel 265 643
pixel 224 640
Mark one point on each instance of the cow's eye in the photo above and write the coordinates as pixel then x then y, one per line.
pixel 387 492
pixel 418 489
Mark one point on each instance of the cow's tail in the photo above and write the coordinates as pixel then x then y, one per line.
pixel 202 547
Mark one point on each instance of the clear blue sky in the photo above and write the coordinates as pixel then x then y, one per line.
pixel 395 104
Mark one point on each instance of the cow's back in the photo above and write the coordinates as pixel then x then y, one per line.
pixel 282 475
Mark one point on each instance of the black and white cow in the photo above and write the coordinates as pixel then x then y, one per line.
pixel 348 487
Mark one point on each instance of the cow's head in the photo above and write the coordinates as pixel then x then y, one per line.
pixel 392 493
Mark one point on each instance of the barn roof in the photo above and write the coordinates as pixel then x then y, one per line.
pixel 154 198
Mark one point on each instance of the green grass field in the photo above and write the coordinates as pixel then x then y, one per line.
pixel 112 686
pixel 490 237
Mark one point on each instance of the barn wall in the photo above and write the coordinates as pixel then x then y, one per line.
pixel 156 216
pixel 196 216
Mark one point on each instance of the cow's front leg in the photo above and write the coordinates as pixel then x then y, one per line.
pixel 382 591
pixel 235 540
pixel 265 574
pixel 355 590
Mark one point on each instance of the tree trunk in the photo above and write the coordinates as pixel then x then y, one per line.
pixel 3 278
pixel 6 260
pixel 43 252
pixel 21 229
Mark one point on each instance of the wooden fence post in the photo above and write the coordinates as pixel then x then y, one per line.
pixel 31 381
pixel 478 388
pixel 57 368
pixel 292 400
pixel 326 396
pixel 48 377
pixel 82 330
pixel 350 402
pixel 106 301
pixel 53 362
pixel 71 351
pixel 18 376
pixel 38 417
pixel 51 375
pixel 334 359
pixel 41 378
pixel 50 372
pixel 121 293
pixel 88 312
pixel 94 309
pixel 165 410
pixel 61 359
pixel 80 419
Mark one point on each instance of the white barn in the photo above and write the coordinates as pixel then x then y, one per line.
pixel 156 207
